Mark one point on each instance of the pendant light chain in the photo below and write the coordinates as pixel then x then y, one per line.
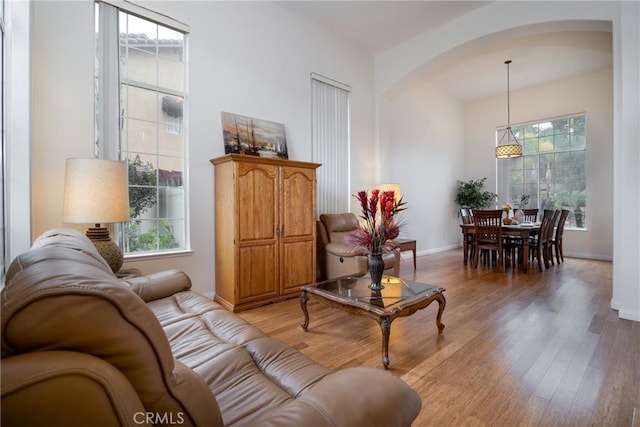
pixel 508 97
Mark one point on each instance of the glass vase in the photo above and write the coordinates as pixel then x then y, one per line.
pixel 376 268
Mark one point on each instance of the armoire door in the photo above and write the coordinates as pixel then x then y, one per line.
pixel 297 229
pixel 257 208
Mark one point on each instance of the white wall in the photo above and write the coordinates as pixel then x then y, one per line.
pixel 592 94
pixel 62 102
pixel 422 149
pixel 250 58
pixel 626 175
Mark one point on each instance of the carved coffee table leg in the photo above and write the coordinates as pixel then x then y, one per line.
pixel 303 304
pixel 385 325
pixel 442 302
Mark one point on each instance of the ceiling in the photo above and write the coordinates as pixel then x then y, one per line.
pixel 379 25
pixel 376 26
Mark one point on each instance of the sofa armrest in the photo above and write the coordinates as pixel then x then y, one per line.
pixel 341 250
pixel 67 388
pixel 159 285
pixel 376 399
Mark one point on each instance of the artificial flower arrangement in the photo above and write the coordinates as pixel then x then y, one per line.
pixel 509 220
pixel 379 225
pixel 506 208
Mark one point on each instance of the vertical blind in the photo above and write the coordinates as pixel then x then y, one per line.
pixel 330 143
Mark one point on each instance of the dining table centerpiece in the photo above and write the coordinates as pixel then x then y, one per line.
pixel 379 226
pixel 507 208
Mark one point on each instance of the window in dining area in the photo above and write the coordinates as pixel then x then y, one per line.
pixel 551 170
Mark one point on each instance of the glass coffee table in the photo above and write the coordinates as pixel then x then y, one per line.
pixel 399 298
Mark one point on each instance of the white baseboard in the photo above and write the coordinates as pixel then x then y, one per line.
pixel 432 251
pixel 624 313
pixel 589 256
pixel 629 315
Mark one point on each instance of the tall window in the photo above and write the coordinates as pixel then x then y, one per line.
pixel 552 169
pixel 148 121
pixel 330 141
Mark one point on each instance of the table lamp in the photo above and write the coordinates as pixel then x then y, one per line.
pixel 96 192
pixel 394 186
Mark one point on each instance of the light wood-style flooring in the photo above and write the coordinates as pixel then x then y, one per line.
pixel 535 349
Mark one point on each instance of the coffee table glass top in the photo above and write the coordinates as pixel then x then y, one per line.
pixel 355 290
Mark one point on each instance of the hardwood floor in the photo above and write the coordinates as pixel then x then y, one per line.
pixel 535 349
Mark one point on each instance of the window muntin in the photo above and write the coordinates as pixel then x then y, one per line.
pixel 552 169
pixel 150 91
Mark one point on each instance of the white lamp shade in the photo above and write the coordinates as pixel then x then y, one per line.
pixel 394 186
pixel 95 192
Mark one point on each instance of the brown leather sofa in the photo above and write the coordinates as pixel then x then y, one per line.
pixel 337 257
pixel 82 348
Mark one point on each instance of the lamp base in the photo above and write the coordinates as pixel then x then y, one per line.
pixel 106 247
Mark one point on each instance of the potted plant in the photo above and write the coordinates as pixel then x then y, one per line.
pixel 471 194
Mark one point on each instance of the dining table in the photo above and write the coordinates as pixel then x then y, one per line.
pixel 523 230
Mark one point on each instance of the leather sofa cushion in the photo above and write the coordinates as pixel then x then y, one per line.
pixel 75 240
pixel 258 380
pixel 250 373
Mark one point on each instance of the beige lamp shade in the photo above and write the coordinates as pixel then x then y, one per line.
pixel 95 192
pixel 394 186
pixel 507 151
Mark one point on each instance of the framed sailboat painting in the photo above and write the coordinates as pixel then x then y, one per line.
pixel 256 137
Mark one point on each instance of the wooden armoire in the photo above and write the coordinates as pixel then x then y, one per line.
pixel 265 229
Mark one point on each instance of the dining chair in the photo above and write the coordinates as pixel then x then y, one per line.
pixel 466 215
pixel 488 233
pixel 530 215
pixel 556 242
pixel 467 218
pixel 512 250
pixel 547 255
pixel 537 243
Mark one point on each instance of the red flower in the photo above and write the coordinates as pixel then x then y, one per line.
pixel 377 230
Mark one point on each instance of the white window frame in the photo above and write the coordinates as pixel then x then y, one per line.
pixel 504 167
pixel 17 130
pixel 108 123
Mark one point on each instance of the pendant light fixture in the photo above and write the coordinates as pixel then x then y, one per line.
pixel 511 148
